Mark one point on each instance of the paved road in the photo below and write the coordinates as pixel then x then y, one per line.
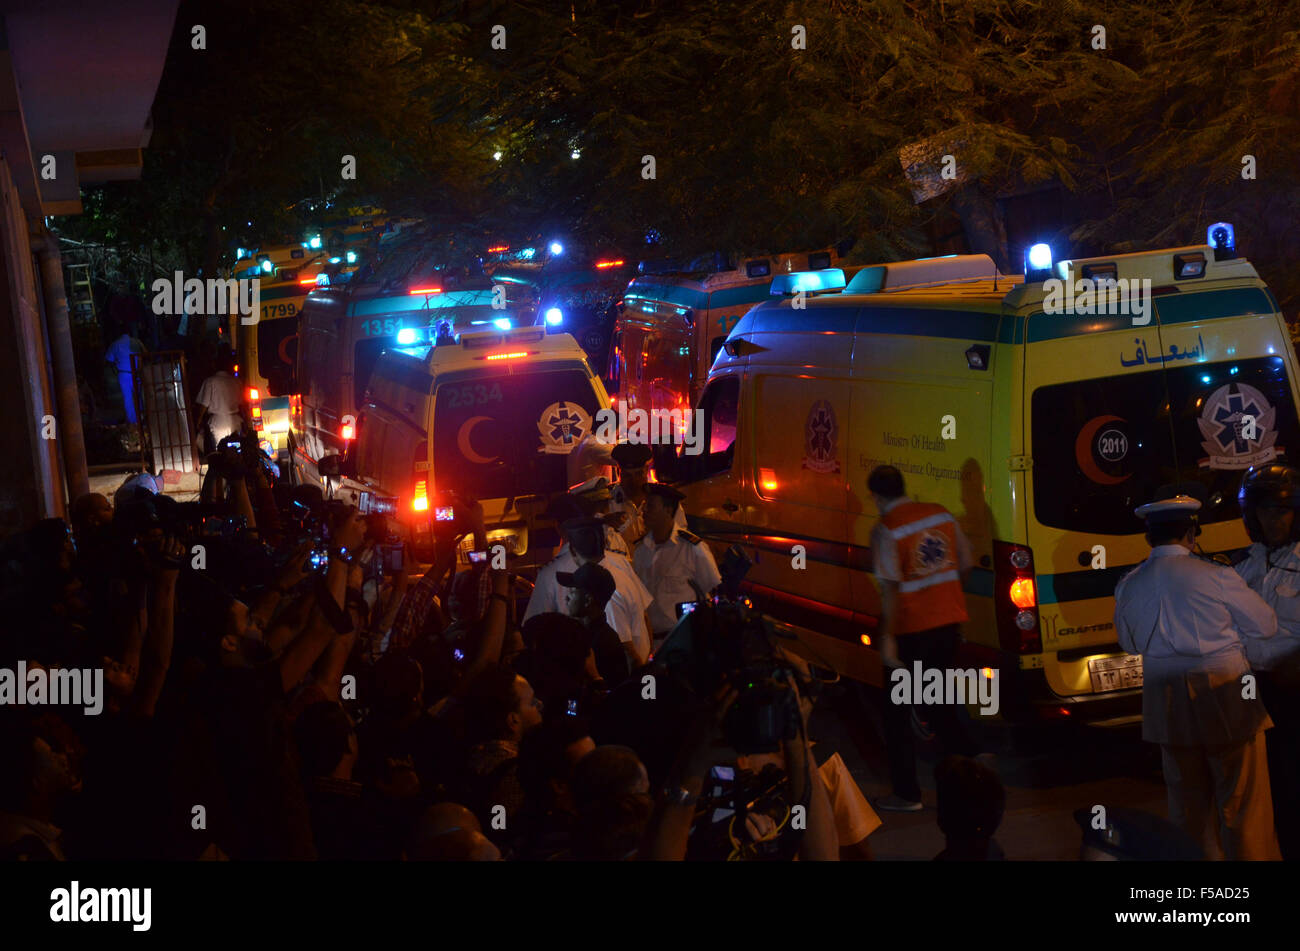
pixel 1048 775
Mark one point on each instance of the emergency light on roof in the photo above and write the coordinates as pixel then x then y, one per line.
pixel 267 267
pixel 557 248
pixel 555 316
pixel 922 272
pixel 1221 237
pixel 1038 263
pixel 827 279
pixel 502 323
pixel 498 248
pixel 314 243
pixel 481 339
pixel 407 336
pixel 511 355
pixel 605 264
pixel 352 257
pixel 424 290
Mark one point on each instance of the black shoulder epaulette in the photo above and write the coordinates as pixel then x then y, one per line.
pixel 688 536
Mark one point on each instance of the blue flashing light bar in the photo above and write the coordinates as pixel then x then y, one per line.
pixel 827 279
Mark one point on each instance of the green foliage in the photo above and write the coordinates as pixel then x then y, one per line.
pixel 758 146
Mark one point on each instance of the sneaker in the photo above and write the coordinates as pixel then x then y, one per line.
pixel 892 803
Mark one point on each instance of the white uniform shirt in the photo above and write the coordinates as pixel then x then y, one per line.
pixel 667 571
pixel 1275 577
pixel 633 528
pixel 625 611
pixel 1198 628
pixel 220 396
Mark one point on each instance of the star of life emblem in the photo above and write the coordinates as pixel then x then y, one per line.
pixel 821 433
pixel 931 554
pixel 1226 439
pixel 562 426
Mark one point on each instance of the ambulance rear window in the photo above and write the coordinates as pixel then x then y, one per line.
pixel 498 436
pixel 1103 447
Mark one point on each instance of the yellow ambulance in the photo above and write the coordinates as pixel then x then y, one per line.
pixel 1038 415
pixel 489 417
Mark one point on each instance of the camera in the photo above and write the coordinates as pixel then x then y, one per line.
pixel 478 557
pixel 686 607
pixel 723 641
pixel 319 559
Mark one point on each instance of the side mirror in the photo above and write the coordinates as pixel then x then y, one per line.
pixel 330 466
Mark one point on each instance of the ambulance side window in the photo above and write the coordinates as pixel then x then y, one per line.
pixel 720 405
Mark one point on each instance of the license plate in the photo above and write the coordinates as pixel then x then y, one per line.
pixel 1115 673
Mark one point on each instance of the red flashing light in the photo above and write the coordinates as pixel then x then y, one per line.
pixel 348 432
pixel 605 264
pixel 306 280
pixel 425 290
pixel 253 394
pixel 498 249
pixel 514 355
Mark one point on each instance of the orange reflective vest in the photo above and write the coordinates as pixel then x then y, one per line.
pixel 929 592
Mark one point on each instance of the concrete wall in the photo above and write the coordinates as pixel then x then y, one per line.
pixel 31 478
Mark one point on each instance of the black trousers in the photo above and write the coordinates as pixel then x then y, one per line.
pixel 935 648
pixel 1280 691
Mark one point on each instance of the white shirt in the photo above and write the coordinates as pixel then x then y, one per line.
pixel 625 611
pixel 667 571
pixel 220 395
pixel 1275 577
pixel 884 549
pixel 1198 629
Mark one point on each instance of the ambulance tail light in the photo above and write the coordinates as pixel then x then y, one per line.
pixel 348 432
pixel 1015 598
pixel 422 490
pixel 253 394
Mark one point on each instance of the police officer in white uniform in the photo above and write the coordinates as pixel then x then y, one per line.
pixel 1270 500
pixel 628 494
pixel 1197 627
pixel 669 558
pixel 594 497
pixel 584 542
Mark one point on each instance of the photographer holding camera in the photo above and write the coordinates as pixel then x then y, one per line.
pixel 704 750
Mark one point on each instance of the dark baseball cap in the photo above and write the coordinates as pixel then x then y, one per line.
pixel 592 578
pixel 632 455
pixel 665 492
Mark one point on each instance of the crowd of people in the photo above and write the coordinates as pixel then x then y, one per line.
pixel 275 684
pixel 271 680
